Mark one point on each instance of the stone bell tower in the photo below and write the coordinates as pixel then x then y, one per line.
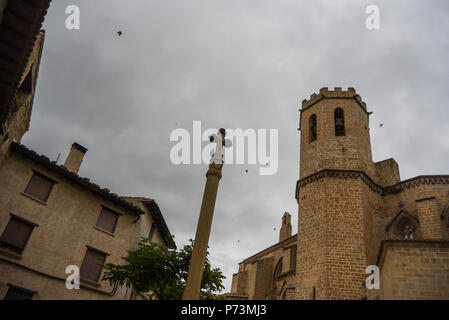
pixel 335 157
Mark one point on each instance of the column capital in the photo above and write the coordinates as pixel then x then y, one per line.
pixel 214 170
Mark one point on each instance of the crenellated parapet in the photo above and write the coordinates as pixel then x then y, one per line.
pixel 337 93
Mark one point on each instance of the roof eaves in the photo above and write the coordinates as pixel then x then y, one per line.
pixel 19 30
pixel 84 182
pixel 159 220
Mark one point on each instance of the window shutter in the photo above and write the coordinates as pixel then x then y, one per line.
pixel 16 234
pixel 92 265
pixel 107 220
pixel 39 187
pixel 16 293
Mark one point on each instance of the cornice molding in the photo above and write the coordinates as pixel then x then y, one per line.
pixel 356 174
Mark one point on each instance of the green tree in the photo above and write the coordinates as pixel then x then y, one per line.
pixel 162 271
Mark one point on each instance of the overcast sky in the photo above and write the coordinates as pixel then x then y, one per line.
pixel 234 64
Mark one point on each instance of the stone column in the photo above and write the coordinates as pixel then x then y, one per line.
pixel 192 290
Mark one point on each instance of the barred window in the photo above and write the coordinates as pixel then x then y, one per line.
pixel 339 122
pixel 312 128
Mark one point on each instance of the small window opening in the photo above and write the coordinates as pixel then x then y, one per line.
pixel 312 128
pixel 339 122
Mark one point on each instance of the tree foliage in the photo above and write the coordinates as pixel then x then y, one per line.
pixel 162 271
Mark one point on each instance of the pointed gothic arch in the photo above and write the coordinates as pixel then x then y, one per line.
pixel 406 229
pixel 277 272
pixel 404 225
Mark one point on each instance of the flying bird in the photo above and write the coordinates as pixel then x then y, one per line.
pixel 119 33
pixel 246 171
pixel 381 125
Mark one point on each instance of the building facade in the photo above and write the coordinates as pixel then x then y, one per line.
pixel 51 219
pixel 354 213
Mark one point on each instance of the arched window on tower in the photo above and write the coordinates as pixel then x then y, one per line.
pixel 339 122
pixel 312 128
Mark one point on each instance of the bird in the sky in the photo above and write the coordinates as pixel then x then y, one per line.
pixel 274 228
pixel 246 171
pixel 381 125
pixel 119 33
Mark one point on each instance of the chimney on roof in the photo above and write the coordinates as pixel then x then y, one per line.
pixel 286 227
pixel 75 157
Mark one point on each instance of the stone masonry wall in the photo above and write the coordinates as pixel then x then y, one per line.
pixel 388 172
pixel 350 152
pixel 429 218
pixel 331 239
pixel 255 274
pixel 415 269
pixel 264 276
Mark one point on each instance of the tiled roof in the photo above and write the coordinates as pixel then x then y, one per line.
pixel 22 20
pixel 73 177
